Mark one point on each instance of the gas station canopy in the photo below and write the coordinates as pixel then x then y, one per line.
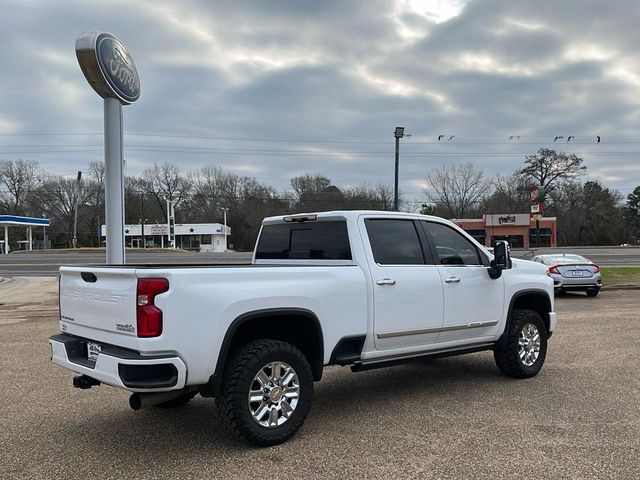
pixel 26 221
pixel 15 221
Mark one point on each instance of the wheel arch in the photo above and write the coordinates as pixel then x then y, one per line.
pixel 530 299
pixel 298 326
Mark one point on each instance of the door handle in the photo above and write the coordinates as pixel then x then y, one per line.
pixel 386 281
pixel 452 280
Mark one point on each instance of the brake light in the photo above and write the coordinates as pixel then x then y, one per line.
pixel 554 269
pixel 597 268
pixel 148 316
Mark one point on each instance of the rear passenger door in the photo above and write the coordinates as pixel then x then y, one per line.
pixel 473 302
pixel 407 289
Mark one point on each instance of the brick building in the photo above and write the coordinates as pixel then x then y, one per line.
pixel 519 229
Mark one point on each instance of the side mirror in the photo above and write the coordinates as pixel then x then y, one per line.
pixel 501 259
pixel 501 255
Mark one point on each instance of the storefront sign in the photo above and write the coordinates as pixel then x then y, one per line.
pixel 507 219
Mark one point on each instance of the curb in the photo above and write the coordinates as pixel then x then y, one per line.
pixel 621 287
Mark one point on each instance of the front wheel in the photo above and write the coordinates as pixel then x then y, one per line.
pixel 525 349
pixel 266 391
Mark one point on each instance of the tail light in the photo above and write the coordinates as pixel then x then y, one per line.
pixel 554 269
pixel 148 316
pixel 597 268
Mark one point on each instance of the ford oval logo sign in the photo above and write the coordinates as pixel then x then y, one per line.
pixel 118 68
pixel 108 66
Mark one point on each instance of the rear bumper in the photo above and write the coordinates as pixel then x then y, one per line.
pixel 577 283
pixel 119 367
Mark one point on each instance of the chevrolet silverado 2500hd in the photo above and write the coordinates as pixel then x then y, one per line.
pixel 362 288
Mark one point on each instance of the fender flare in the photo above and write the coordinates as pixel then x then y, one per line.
pixel 213 386
pixel 521 293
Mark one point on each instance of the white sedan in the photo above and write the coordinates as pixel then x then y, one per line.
pixel 572 272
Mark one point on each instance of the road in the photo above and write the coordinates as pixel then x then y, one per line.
pixel 43 264
pixel 448 418
pixel 603 256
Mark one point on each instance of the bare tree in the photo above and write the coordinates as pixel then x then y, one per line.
pixel 550 168
pixel 365 196
pixel 212 190
pixel 456 188
pixel 58 198
pixel 510 195
pixel 167 182
pixel 19 177
pixel 307 189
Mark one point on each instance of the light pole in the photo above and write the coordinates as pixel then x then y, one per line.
pixel 398 134
pixel 171 222
pixel 75 211
pixel 225 210
pixel 142 218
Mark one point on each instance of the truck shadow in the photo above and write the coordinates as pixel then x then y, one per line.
pixel 341 398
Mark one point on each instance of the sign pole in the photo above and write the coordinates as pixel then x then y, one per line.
pixel 114 181
pixel 111 72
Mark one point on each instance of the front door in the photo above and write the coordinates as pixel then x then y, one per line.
pixel 407 289
pixel 473 301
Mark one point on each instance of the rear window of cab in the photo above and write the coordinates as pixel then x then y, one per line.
pixel 326 240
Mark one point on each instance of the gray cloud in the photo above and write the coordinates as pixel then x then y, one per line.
pixel 333 71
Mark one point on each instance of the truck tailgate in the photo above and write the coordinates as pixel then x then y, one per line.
pixel 99 303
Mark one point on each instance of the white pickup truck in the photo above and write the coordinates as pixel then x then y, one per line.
pixel 360 288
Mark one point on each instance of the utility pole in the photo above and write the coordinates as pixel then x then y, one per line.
pixel 75 211
pixel 398 134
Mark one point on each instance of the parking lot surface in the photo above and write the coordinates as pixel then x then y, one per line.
pixel 447 418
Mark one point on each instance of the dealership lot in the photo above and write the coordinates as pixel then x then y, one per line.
pixel 454 417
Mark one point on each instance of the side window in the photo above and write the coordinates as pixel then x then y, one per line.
pixel 394 242
pixel 452 248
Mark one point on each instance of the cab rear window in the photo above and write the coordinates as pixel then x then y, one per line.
pixel 304 241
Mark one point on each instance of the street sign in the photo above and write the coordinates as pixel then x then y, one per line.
pixel 535 208
pixel 537 194
pixel 536 217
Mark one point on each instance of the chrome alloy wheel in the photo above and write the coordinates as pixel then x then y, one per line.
pixel 274 394
pixel 529 344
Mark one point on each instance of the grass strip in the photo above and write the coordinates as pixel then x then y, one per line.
pixel 620 275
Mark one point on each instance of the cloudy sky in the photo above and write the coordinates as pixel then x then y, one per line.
pixel 274 89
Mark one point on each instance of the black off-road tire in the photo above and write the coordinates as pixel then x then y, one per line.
pixel 507 356
pixel 592 292
pixel 239 373
pixel 177 402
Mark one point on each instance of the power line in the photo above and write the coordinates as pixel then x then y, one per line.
pixel 288 153
pixel 455 138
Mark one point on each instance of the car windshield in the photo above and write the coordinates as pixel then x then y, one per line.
pixel 564 259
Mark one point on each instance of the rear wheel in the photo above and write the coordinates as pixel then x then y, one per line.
pixel 525 349
pixel 266 391
pixel 592 292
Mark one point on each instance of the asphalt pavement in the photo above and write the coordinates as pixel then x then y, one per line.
pixel 447 418
pixel 44 264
